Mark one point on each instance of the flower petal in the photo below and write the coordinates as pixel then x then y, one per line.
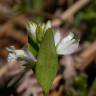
pixel 68 49
pixel 11 49
pixel 32 29
pixel 67 38
pixel 67 45
pixel 19 53
pixel 29 56
pixel 57 37
pixel 11 57
pixel 48 25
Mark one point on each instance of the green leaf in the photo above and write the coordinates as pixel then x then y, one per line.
pixel 47 62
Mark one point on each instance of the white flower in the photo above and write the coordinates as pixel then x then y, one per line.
pixel 19 54
pixel 32 27
pixel 67 45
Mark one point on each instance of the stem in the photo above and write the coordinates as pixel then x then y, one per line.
pixel 45 94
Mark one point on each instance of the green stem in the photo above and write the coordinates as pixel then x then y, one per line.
pixel 45 94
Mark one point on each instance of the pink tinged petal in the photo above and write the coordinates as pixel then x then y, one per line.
pixel 63 45
pixel 67 38
pixel 68 49
pixel 68 45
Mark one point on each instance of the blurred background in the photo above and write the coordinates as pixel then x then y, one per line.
pixel 77 72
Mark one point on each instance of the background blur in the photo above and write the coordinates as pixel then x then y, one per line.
pixel 77 72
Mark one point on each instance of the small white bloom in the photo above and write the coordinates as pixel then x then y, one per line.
pixel 16 54
pixel 32 27
pixel 66 45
